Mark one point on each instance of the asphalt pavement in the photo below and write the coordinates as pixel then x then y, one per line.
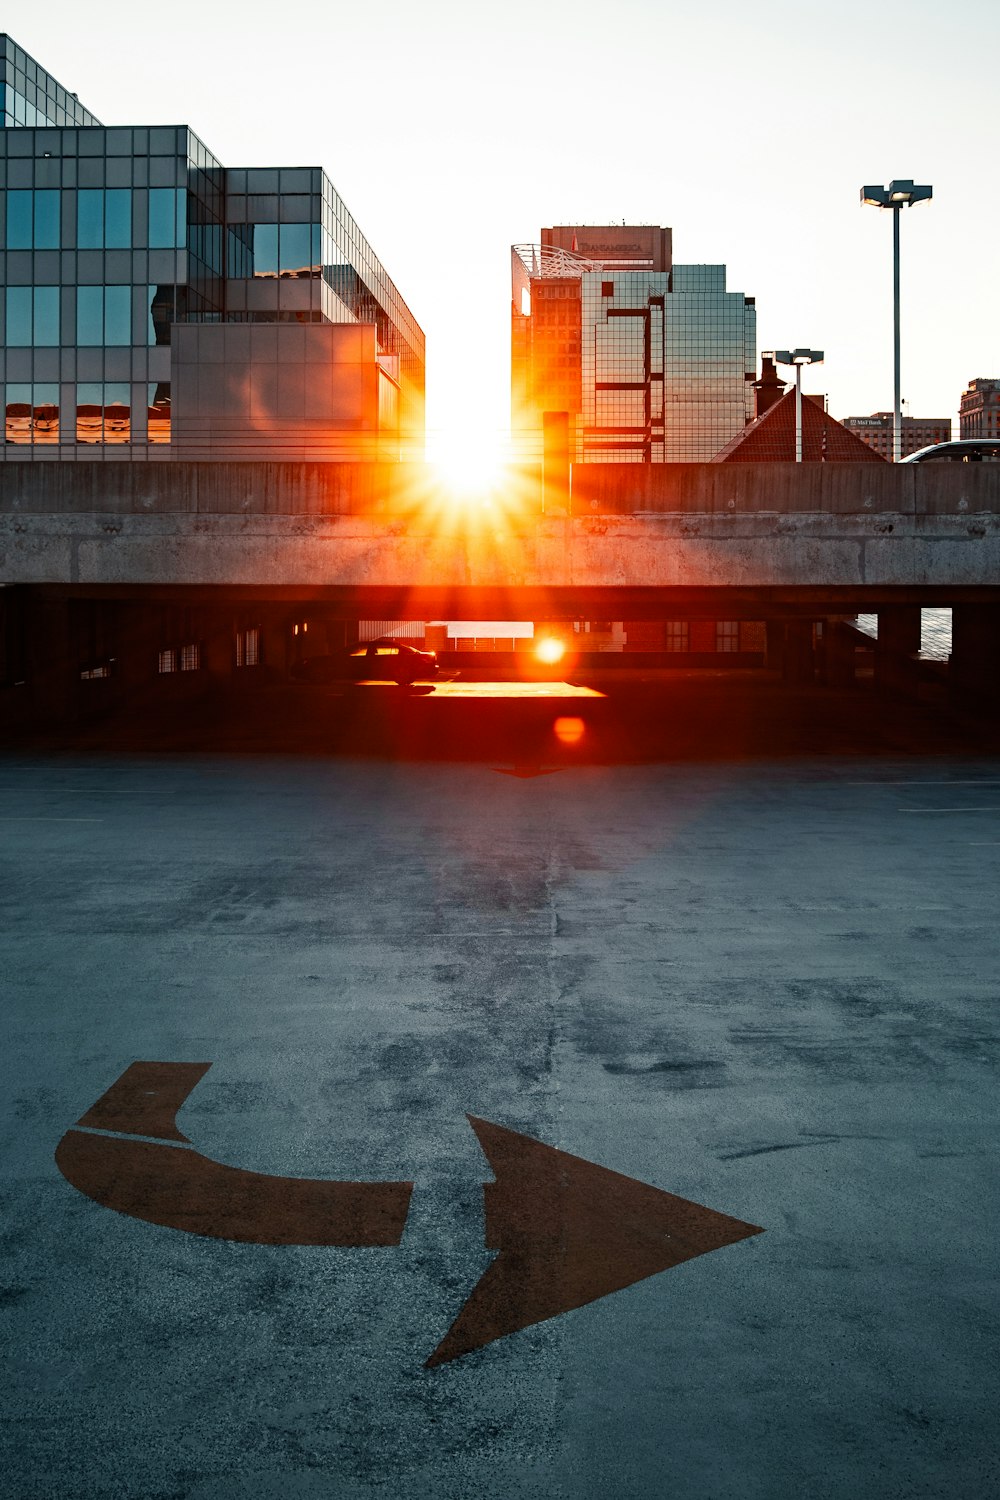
pixel 752 1004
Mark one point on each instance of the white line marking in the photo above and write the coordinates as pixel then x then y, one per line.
pixel 50 820
pixel 947 809
pixel 90 791
pixel 922 783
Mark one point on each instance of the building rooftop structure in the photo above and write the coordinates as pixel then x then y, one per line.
pixel 650 361
pixel 134 261
pixel 918 432
pixel 979 408
pixel 770 438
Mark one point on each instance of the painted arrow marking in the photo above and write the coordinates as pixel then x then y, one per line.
pixel 524 773
pixel 569 1232
pixel 175 1186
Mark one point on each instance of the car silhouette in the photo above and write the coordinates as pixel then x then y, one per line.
pixel 958 451
pixel 382 660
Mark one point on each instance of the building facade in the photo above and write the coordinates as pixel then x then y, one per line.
pixel 133 262
pixel 918 432
pixel 979 409
pixel 652 361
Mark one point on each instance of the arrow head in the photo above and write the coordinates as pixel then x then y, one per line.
pixel 524 773
pixel 569 1232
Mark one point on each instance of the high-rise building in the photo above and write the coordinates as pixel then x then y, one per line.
pixel 918 432
pixel 653 362
pixel 979 409
pixel 157 304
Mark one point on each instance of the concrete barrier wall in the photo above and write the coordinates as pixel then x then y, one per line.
pixel 665 552
pixel 413 490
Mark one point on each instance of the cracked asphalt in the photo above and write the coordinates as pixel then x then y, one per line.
pixel 770 987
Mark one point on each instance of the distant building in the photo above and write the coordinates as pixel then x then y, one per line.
pixel 979 409
pixel 652 361
pixel 770 438
pixel 918 432
pixel 159 305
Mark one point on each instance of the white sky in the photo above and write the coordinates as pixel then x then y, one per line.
pixel 452 130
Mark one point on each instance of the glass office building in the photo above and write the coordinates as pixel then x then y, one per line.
pixel 654 362
pixel 112 239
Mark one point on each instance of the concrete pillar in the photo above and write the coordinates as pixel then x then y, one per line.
pixel 52 660
pixel 840 642
pixel 218 634
pixel 897 647
pixel 798 664
pixel 774 648
pixel 974 669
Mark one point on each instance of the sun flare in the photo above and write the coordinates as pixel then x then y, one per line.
pixel 469 465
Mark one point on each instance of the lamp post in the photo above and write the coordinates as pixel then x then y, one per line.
pixel 798 358
pixel 903 191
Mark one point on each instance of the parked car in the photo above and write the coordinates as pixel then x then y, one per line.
pixel 384 659
pixel 959 451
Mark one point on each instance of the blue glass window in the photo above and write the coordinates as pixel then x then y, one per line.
pixel 32 316
pixel 46 315
pixel 161 314
pixel 19 219
pixel 118 218
pixel 19 302
pixel 295 247
pixel 104 315
pixel 167 218
pixel 118 315
pixel 90 219
pixel 90 315
pixel 104 218
pixel 46 219
pixel 265 249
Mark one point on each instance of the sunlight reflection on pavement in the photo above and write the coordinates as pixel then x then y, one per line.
pixel 514 690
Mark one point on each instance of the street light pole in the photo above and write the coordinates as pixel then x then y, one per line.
pixel 798 358
pixel 897 405
pixel 900 192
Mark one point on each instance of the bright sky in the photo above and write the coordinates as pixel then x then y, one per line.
pixel 452 130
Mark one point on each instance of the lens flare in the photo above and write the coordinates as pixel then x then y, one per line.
pixel 568 731
pixel 550 650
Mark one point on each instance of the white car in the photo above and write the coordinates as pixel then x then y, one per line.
pixel 961 451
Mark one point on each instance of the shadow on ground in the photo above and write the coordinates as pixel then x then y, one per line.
pixel 634 717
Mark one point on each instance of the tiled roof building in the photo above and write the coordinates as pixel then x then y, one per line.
pixel 771 438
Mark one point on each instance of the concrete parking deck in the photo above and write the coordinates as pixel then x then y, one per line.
pixel 767 989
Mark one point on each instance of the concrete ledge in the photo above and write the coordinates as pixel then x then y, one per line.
pixel 48 486
pixel 944 553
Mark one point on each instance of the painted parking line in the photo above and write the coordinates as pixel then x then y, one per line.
pixel 948 809
pixel 24 818
pixel 908 782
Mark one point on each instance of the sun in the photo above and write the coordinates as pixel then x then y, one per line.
pixel 468 465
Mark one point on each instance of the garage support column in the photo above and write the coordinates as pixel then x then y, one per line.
pixel 974 671
pixel 839 644
pixel 774 646
pixel 52 659
pixel 799 664
pixel 897 648
pixel 218 635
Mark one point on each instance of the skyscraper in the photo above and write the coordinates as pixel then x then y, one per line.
pixel 653 362
pixel 159 304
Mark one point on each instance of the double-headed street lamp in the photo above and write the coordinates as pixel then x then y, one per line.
pixel 798 358
pixel 895 196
